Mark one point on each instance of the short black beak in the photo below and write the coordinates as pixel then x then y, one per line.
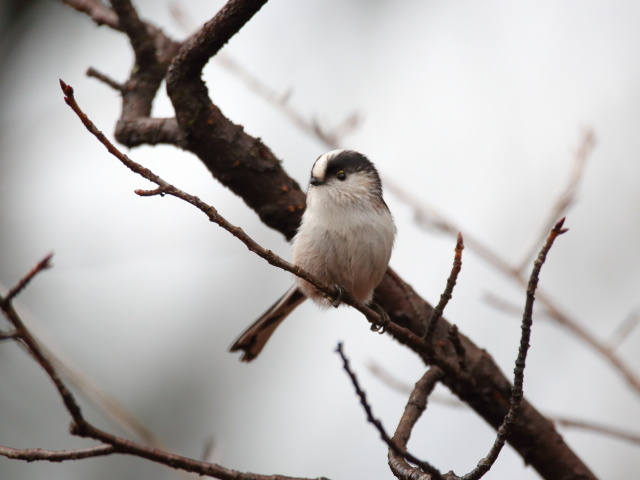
pixel 315 182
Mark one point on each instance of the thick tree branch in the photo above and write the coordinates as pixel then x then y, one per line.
pixel 233 157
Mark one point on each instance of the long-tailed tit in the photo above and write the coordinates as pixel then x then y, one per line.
pixel 345 239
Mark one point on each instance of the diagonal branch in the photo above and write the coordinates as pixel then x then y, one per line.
pixel 96 10
pixel 430 329
pixel 24 281
pixel 25 336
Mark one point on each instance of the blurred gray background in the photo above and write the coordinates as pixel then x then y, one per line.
pixel 476 108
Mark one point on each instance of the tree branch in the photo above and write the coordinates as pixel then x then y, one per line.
pixel 81 427
pixel 416 405
pixel 235 158
pixel 398 449
pixel 39 454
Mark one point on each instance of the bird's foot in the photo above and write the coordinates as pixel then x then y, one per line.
pixel 380 327
pixel 336 297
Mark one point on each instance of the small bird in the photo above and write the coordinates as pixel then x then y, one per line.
pixel 345 240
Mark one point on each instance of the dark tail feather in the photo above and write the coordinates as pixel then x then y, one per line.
pixel 254 338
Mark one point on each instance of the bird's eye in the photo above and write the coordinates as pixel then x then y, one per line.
pixel 341 175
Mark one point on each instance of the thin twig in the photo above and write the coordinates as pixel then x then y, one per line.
pixel 432 323
pixel 39 454
pixel 613 432
pixel 93 73
pixel 566 198
pixel 454 337
pixel 33 347
pixel 416 405
pixel 404 388
pixel 378 424
pixel 330 137
pixel 96 10
pixel 624 329
pixel 24 281
pixel 517 393
pixel 12 335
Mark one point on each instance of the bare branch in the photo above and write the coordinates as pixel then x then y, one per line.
pixel 93 73
pixel 230 154
pixel 43 264
pixel 32 345
pixel 331 138
pixel 396 448
pixel 454 337
pixel 567 197
pixel 12 335
pixel 416 405
pixel 613 432
pixel 624 329
pixel 404 388
pixel 96 10
pixel 446 295
pixel 38 454
pixel 517 393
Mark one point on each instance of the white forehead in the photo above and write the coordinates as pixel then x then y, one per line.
pixel 320 167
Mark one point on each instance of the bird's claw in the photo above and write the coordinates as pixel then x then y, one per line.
pixel 336 297
pixel 380 327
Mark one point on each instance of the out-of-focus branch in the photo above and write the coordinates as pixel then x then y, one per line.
pixel 624 329
pixel 96 10
pixel 404 388
pixel 39 454
pixel 330 137
pixel 566 198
